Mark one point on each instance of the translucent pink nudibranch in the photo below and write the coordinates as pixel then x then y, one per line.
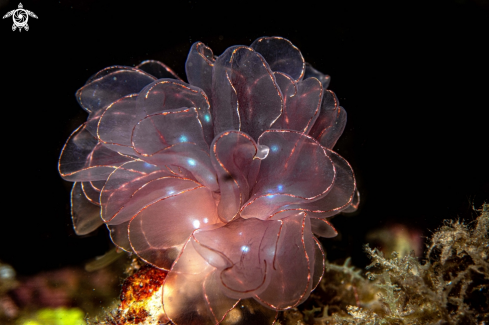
pixel 225 181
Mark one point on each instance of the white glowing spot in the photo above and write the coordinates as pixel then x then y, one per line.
pixel 183 138
pixel 240 233
pixel 6 272
pixel 245 249
pixel 262 152
pixel 191 162
pixel 196 224
pixel 171 192
pixel 206 220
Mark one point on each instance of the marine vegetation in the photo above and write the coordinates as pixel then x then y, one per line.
pixel 450 286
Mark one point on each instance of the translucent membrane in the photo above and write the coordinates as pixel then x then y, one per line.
pixel 224 180
pixel 85 215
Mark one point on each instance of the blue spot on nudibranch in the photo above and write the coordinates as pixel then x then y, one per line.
pixel 191 162
pixel 274 148
pixel 245 249
pixel 207 118
pixel 280 187
pixel 183 138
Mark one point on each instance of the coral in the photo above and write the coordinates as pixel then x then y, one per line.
pixel 142 285
pixel 140 299
pixel 141 303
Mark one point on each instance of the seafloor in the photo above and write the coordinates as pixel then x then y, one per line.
pixel 449 285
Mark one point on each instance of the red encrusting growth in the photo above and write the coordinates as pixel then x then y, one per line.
pixel 141 285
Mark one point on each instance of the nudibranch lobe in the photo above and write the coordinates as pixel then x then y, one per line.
pixel 222 181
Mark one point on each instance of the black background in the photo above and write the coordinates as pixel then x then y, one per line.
pixel 412 76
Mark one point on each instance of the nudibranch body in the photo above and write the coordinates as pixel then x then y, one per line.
pixel 222 181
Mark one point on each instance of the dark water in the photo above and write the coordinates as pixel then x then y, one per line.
pixel 411 75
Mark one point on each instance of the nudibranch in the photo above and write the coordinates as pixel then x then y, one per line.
pixel 225 181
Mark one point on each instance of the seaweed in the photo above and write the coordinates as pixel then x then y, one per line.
pixel 450 286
